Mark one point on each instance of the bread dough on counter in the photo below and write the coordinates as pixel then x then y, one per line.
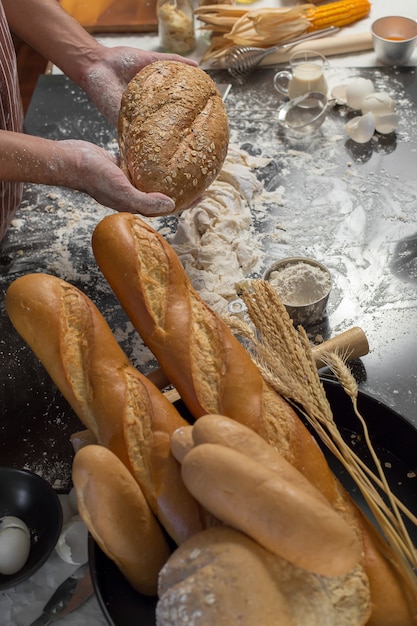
pixel 216 240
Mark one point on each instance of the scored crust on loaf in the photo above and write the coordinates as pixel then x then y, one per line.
pixel 173 131
pixel 149 419
pixel 222 577
pixel 76 321
pixel 207 347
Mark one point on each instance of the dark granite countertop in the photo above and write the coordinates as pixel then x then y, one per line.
pixel 351 206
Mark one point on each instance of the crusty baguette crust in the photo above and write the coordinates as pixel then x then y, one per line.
pixel 209 367
pixel 116 513
pixel 173 131
pixel 119 405
pixel 214 374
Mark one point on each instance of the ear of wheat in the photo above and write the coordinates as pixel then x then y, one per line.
pixel 284 357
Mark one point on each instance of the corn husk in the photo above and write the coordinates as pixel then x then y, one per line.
pixel 242 27
pixel 269 27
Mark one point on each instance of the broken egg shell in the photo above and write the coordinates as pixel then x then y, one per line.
pixel 361 128
pixel 378 103
pixel 357 90
pixel 386 123
pixel 339 94
pixel 14 545
pixel 72 545
pixel 72 500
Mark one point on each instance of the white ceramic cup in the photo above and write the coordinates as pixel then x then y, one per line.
pixel 306 74
pixel 394 39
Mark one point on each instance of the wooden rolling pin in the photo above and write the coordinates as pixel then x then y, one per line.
pixel 328 46
pixel 351 344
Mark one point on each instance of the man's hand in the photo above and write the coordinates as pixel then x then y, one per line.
pixel 96 172
pixel 107 78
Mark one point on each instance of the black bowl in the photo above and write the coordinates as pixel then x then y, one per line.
pixel 29 497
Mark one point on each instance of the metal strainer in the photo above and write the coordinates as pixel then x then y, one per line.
pixel 240 60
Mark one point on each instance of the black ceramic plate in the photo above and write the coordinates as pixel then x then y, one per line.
pixel 395 441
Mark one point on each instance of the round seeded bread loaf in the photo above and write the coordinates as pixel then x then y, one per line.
pixel 173 131
pixel 221 577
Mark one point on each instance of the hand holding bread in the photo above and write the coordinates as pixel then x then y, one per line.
pixel 284 519
pixel 247 484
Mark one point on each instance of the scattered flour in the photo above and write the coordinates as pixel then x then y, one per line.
pixel 216 241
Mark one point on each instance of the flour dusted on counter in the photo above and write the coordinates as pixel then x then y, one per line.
pixel 216 241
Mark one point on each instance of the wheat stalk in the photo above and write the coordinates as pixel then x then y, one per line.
pixel 284 357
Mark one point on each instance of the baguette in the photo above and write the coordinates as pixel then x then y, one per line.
pixel 121 407
pixel 213 374
pixel 276 513
pixel 115 511
pixel 228 432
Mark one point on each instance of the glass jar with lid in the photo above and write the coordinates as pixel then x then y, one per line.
pixel 176 26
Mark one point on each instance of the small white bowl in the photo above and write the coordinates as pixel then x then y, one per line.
pixel 394 39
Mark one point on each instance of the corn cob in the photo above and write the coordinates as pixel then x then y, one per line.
pixel 339 13
pixel 268 27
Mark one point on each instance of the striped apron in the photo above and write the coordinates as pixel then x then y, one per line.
pixel 11 117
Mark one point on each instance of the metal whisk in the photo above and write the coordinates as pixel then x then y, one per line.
pixel 240 60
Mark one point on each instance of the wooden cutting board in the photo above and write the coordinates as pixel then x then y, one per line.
pixel 113 16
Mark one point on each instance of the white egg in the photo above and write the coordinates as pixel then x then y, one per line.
pixel 14 544
pixel 361 128
pixel 356 91
pixel 339 93
pixel 378 102
pixel 386 123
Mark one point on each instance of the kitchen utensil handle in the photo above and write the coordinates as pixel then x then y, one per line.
pixel 317 34
pixel 43 620
pixel 328 46
pixel 351 344
pixel 70 595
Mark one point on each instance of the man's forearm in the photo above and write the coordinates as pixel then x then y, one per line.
pixel 24 158
pixel 45 26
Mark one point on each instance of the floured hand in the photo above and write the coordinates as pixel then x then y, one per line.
pixel 95 171
pixel 107 78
